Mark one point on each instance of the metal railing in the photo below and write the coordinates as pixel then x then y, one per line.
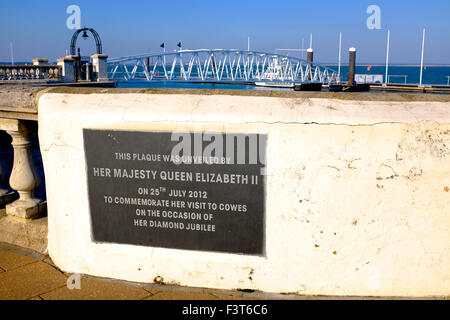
pixel 219 65
pixel 30 72
pixel 397 76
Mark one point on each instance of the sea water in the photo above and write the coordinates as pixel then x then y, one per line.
pixel 431 75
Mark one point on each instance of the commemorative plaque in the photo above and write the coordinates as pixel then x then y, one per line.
pixel 183 190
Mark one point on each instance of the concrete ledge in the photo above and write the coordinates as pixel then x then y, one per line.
pixel 20 100
pixel 281 93
pixel 11 125
pixel 40 61
pixel 30 234
pixel 66 59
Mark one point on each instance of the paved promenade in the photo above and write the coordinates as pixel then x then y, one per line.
pixel 26 274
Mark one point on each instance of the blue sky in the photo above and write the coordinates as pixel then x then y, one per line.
pixel 38 28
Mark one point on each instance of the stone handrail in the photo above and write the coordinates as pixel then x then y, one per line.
pixel 30 72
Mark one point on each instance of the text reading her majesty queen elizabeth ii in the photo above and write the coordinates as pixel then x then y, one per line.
pixel 182 190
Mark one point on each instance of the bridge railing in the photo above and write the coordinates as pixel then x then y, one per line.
pixel 30 72
pixel 219 65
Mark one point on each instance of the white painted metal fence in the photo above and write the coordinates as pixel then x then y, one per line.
pixel 218 65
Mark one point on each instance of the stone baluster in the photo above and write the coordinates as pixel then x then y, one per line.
pixel 24 178
pixel 40 73
pixel 40 63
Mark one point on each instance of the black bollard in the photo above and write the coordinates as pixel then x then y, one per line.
pixel 147 63
pixel 351 66
pixel 310 55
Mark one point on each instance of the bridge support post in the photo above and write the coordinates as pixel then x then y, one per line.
pixel 68 68
pixel 310 55
pixel 351 66
pixel 100 67
pixel 147 64
pixel 23 176
pixel 310 59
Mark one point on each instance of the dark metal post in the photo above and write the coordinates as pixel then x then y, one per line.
pixel 351 66
pixel 310 55
pixel 147 64
pixel 310 59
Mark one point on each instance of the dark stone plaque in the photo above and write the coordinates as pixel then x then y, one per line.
pixel 194 191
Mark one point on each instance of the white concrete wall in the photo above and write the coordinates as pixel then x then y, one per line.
pixel 358 199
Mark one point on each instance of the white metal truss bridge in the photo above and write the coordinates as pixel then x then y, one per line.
pixel 220 66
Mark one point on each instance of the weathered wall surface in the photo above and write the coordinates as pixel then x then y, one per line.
pixel 358 199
